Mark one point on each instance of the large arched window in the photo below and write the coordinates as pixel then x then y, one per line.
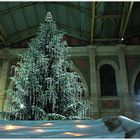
pixel 137 85
pixel 107 80
pixel 137 97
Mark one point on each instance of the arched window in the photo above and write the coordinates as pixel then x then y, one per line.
pixel 107 80
pixel 79 80
pixel 137 85
pixel 137 97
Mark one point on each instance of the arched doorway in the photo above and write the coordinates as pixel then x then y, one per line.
pixel 106 67
pixel 137 95
pixel 137 85
pixel 107 80
pixel 82 79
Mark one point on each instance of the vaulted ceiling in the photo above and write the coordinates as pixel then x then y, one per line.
pixel 94 22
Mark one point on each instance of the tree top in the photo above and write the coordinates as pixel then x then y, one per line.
pixel 49 17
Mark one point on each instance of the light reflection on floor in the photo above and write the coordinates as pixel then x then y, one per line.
pixel 82 126
pixel 13 127
pixel 74 134
pixel 38 131
pixel 47 124
pixel 57 129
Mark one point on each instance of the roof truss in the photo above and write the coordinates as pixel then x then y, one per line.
pixel 3 36
pixel 126 15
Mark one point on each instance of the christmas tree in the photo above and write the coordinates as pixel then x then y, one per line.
pixel 44 82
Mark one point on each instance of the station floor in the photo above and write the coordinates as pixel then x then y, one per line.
pixel 57 129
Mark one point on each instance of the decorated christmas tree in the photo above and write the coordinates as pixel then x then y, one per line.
pixel 44 82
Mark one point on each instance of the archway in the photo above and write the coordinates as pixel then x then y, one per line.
pixel 107 80
pixel 115 68
pixel 137 85
pixel 133 77
pixel 137 96
pixel 135 91
pixel 82 78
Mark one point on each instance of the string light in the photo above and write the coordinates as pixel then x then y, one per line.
pixel 21 106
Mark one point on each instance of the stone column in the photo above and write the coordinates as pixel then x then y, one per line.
pixel 3 79
pixel 125 99
pixel 93 82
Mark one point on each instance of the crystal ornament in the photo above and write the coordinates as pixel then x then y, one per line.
pixel 48 17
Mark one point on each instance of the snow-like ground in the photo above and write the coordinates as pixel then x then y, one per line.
pixel 57 129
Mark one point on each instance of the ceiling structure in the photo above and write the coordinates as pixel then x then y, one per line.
pixel 94 22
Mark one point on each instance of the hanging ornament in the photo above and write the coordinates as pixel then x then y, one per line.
pixel 48 17
pixel 21 106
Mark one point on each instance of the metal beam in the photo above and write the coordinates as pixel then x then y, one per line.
pixel 3 36
pixel 26 19
pixel 105 39
pixel 97 4
pixel 59 25
pixel 14 35
pixel 68 22
pixel 26 4
pixel 69 4
pixel 4 12
pixel 114 24
pixel 123 18
pixel 14 23
pixel 36 26
pixel 92 22
pixel 36 15
pixel 127 19
pixel 72 28
pixel 80 19
pixel 109 16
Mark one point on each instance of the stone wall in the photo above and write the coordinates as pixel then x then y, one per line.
pixel 87 61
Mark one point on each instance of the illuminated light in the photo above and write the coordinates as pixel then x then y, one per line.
pixel 39 130
pixel 73 134
pixel 13 127
pixel 138 103
pixel 82 126
pixel 21 106
pixel 10 127
pixel 47 124
pixel 122 39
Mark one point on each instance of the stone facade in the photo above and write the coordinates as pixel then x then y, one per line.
pixel 87 61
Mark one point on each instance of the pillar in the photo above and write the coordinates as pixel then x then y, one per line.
pixel 125 99
pixel 3 79
pixel 94 111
